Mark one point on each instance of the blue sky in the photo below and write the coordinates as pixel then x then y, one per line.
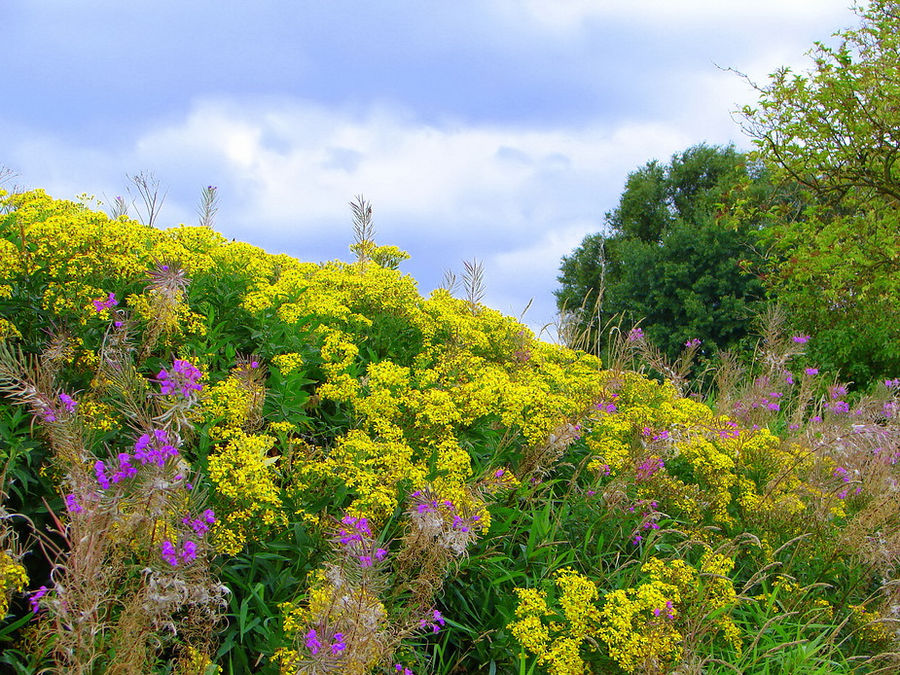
pixel 501 130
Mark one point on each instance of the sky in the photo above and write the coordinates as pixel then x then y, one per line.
pixel 496 130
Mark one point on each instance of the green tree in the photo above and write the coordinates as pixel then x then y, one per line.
pixel 835 132
pixel 666 260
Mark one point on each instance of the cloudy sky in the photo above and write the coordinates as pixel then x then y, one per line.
pixel 500 130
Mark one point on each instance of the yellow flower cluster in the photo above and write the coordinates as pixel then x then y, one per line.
pixel 557 644
pixel 244 476
pixel 196 662
pixel 234 404
pixel 13 579
pixel 638 626
pixel 288 363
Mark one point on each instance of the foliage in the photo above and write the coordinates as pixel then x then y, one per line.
pixel 667 261
pixel 252 463
pixel 835 252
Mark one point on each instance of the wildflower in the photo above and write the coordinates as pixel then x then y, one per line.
pixel 499 473
pixel 100 472
pixel 126 470
pixel 892 384
pixel 49 416
pixel 801 339
pixel 189 551
pixel 312 642
pixel 403 670
pixel 168 553
pixel 72 504
pixel 607 407
pixel 68 402
pixel 34 600
pixel 184 378
pixel 209 517
pixel 692 343
pixel 788 378
pixel 837 391
pixel 154 448
pixel 773 406
pixel 365 561
pixel 635 335
pixel 839 407
pixel 355 530
pixel 380 554
pixel 637 539
pixel 110 301
pixel 648 467
pixel 338 645
pixel 812 371
pixel 436 623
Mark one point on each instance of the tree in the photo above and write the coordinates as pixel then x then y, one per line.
pixel 835 131
pixel 666 260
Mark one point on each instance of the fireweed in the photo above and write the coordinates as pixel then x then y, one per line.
pixel 114 591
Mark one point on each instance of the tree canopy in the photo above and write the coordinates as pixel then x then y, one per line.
pixel 834 131
pixel 665 259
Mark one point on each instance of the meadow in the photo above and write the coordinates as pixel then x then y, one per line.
pixel 218 460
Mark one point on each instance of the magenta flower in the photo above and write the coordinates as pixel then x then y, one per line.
pixel 801 339
pixel 68 402
pixel 183 378
pixel 72 505
pixel 168 553
pixel 35 598
pixel 636 334
pixel 693 343
pixel 338 645
pixel 100 472
pixel 812 371
pixel 312 642
pixel 189 551
pixel 110 301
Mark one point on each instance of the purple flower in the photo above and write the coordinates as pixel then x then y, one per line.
pixel 72 504
pixel 774 406
pixel 839 407
pixel 637 539
pixel 892 384
pixel 34 600
pixel 100 472
pixel 209 517
pixel 338 645
pixel 692 343
pixel 636 334
pixel 168 553
pixel 110 301
pixel 189 551
pixel 812 371
pixel 312 642
pixel 837 391
pixel 801 339
pixel 68 402
pixel 380 554
pixel 365 561
pixel 499 473
pixel 183 378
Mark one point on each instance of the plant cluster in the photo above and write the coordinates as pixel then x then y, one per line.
pixel 216 459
